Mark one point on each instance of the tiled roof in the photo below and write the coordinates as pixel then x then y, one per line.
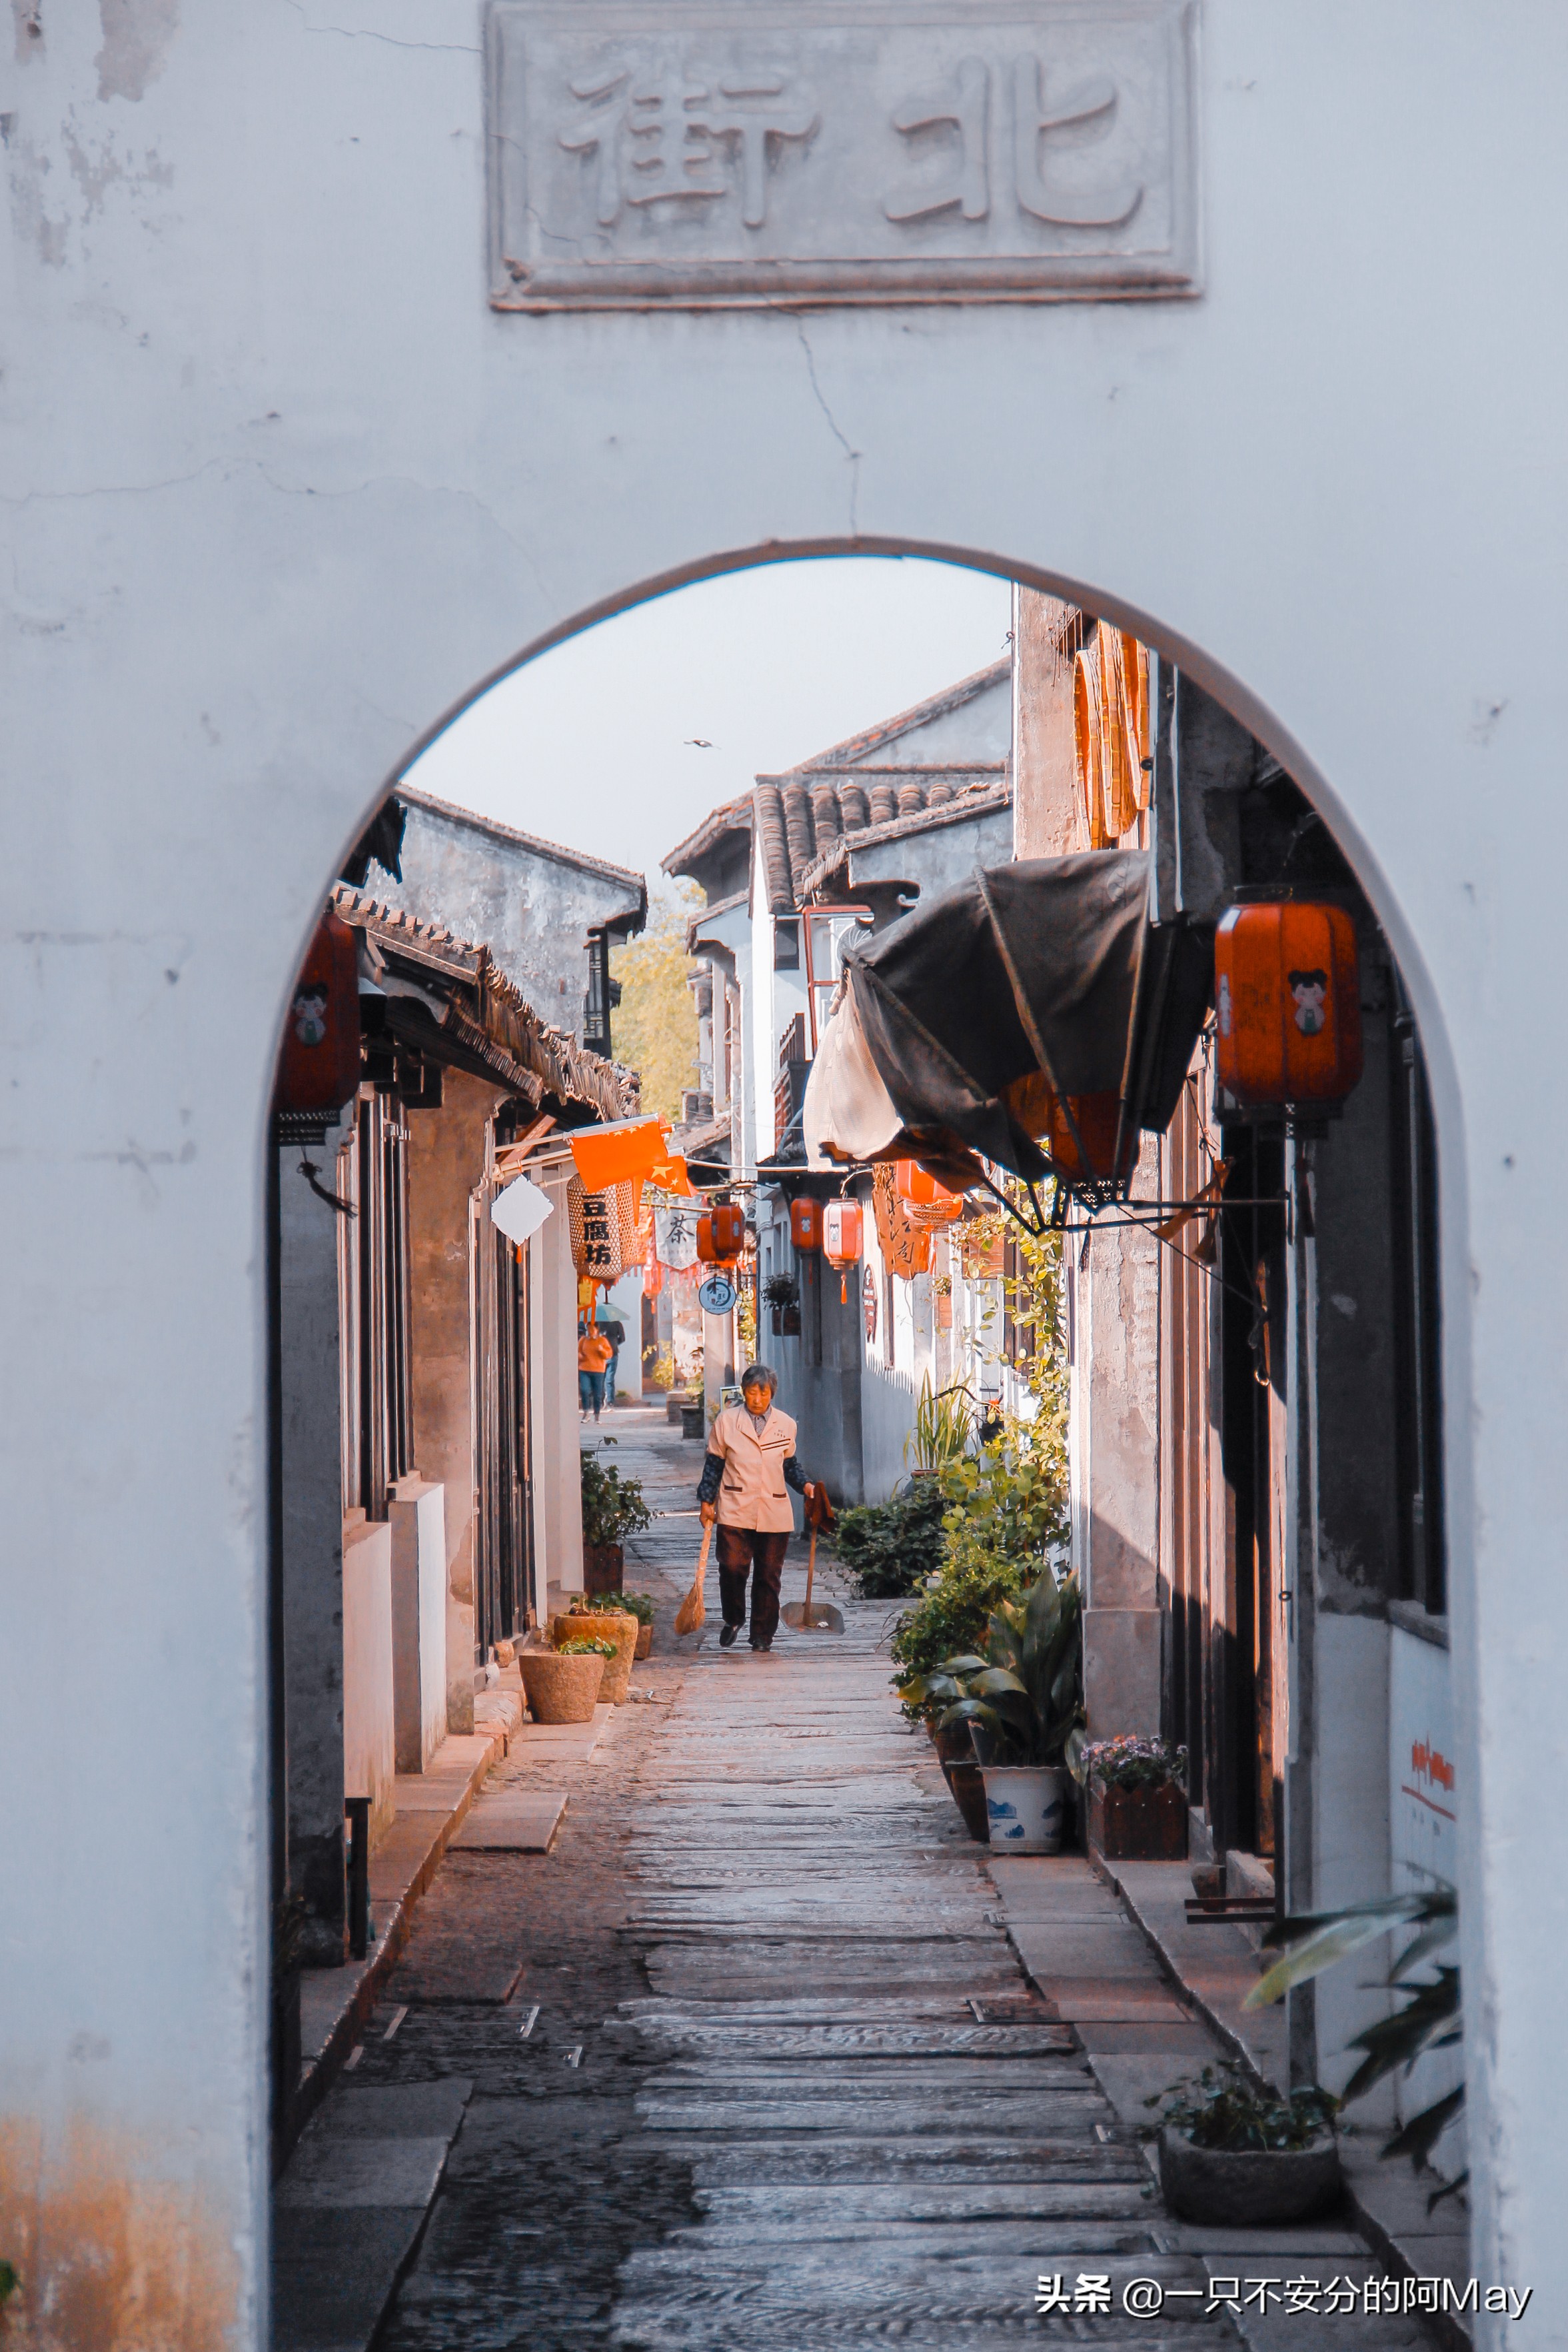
pixel 804 817
pixel 488 1017
pixel 729 817
pixel 977 799
pixel 851 787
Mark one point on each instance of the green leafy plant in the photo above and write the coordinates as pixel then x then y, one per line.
pixel 1026 1690
pixel 951 1616
pixel 942 1432
pixel 9 2282
pixel 1130 1763
pixel 1222 2110
pixel 1009 1501
pixel 585 1645
pixel 781 1290
pixel 613 1506
pixel 892 1547
pixel 1430 2018
pixel 661 1372
pixel 630 1605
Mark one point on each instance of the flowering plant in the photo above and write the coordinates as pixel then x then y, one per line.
pixel 1131 1763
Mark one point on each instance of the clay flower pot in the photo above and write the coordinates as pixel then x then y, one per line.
pixel 645 1640
pixel 562 1690
pixel 1248 2188
pixel 617 1626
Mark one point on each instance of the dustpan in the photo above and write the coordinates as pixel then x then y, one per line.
pixel 692 1613
pixel 804 1616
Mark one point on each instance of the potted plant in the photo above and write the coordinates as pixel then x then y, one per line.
pixel 614 1627
pixel 1428 2018
pixel 1234 2157
pixel 1026 1693
pixel 561 1685
pixel 782 1294
pixel 631 1604
pixel 612 1508
pixel 1137 1798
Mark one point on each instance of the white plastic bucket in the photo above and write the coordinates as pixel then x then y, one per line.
pixel 1026 1805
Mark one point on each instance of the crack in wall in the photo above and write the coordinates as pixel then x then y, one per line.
pixel 852 455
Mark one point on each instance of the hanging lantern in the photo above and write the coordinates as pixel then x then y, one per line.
pixel 319 1069
pixel 721 1234
pixel 653 1277
pixel 916 1190
pixel 1041 1113
pixel 1287 1004
pixel 842 1240
pixel 729 1230
pixel 806 1224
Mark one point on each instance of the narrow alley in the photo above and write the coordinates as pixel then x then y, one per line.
pixel 749 2055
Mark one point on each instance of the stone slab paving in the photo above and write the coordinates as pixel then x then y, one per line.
pixel 768 2070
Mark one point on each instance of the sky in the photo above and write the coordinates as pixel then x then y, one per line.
pixel 620 740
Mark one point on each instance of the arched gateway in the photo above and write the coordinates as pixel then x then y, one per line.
pixel 351 349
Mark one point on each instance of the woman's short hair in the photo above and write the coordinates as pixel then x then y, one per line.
pixel 759 1376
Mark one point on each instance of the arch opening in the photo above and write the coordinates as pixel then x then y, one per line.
pixel 1271 1550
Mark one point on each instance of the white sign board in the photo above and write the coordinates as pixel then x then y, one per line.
pixel 684 156
pixel 520 1210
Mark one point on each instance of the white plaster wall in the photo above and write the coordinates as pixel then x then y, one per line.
pixel 279 488
pixel 1350 1832
pixel 418 1523
pixel 558 1473
pixel 370 1758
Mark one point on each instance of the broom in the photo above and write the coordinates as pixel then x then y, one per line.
pixel 691 1614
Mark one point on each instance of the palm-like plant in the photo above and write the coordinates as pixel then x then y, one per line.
pixel 941 1433
pixel 1429 2020
pixel 1026 1691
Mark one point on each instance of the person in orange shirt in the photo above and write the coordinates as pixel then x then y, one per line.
pixel 593 1352
pixel 750 1462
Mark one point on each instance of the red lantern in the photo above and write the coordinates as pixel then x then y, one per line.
pixel 721 1234
pixel 806 1224
pixel 1041 1113
pixel 652 1278
pixel 1288 997
pixel 916 1190
pixel 319 1069
pixel 729 1230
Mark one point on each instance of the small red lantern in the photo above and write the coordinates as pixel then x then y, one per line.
pixel 1288 998
pixel 917 1190
pixel 806 1224
pixel 319 1069
pixel 721 1234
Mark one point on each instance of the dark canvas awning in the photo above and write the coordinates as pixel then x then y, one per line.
pixel 1050 966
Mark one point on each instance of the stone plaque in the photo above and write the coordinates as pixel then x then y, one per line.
pixel 750 155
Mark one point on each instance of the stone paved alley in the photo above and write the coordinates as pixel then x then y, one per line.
pixel 788 2082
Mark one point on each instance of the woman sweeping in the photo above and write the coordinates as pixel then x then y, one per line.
pixel 750 1462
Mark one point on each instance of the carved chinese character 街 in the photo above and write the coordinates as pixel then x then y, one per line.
pixel 1034 120
pixel 655 139
pixel 964 107
pixel 743 124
